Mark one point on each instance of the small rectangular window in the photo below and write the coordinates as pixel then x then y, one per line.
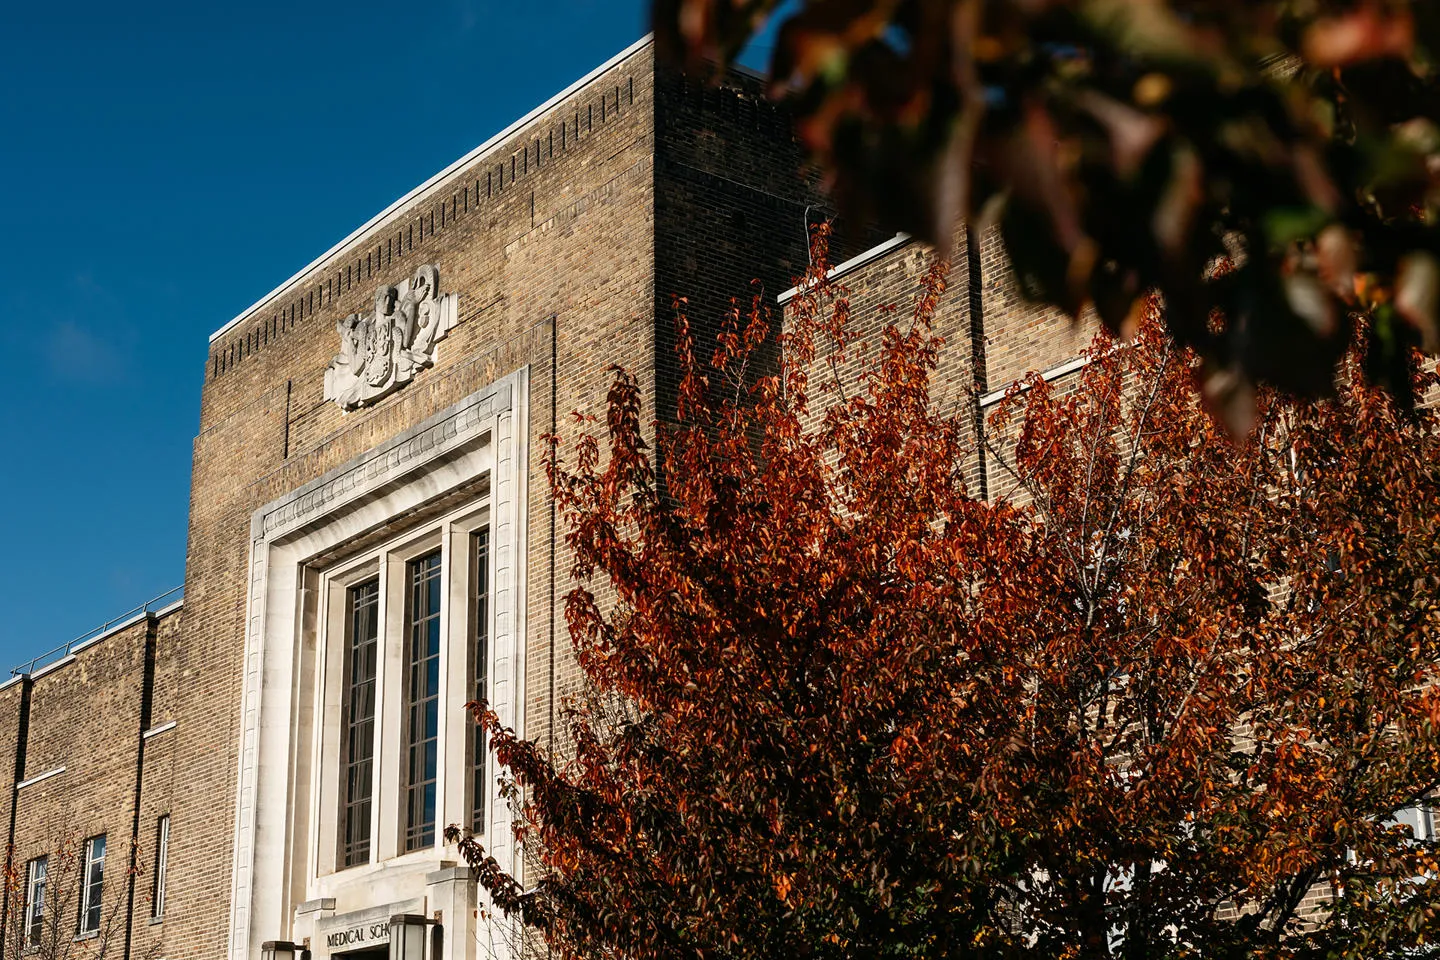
pixel 479 669
pixel 35 876
pixel 362 629
pixel 92 885
pixel 162 859
pixel 422 699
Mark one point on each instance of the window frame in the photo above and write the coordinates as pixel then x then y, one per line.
pixel 325 608
pixel 92 887
pixel 37 873
pixel 1420 819
pixel 347 857
pixel 422 575
pixel 480 648
pixel 162 863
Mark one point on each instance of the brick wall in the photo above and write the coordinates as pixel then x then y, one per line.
pixel 75 736
pixel 14 717
pixel 1021 337
pixel 555 222
pixel 993 337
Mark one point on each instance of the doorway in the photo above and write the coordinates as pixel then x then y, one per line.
pixel 382 952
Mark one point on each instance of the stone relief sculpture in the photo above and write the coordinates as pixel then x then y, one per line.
pixel 382 352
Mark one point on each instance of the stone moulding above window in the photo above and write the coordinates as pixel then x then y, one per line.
pixel 381 465
pixel 383 350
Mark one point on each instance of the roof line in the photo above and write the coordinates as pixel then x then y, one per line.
pixel 854 263
pixel 464 161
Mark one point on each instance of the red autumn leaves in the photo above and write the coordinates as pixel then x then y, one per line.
pixel 1158 698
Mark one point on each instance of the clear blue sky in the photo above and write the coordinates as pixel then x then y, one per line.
pixel 165 166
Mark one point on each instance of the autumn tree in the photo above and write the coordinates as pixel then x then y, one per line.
pixel 1122 145
pixel 1234 685
pixel 1164 697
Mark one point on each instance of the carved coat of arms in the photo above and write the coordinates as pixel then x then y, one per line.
pixel 382 351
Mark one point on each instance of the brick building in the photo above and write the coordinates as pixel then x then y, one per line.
pixel 371 541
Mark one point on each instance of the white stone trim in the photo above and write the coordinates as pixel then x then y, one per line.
pixel 64 661
pixel 38 777
pixel 486 433
pixel 168 609
pixel 391 211
pixel 380 466
pixel 854 263
pixel 1054 373
pixel 156 731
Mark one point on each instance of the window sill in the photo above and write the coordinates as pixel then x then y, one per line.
pixel 87 935
pixel 156 921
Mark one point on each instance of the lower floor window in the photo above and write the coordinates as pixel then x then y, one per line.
pixel 35 876
pixel 162 861
pixel 92 884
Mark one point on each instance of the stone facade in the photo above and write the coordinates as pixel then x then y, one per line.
pixel 338 447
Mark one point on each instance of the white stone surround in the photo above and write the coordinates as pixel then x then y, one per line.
pixel 280 887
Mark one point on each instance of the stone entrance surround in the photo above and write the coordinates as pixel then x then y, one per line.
pixel 281 886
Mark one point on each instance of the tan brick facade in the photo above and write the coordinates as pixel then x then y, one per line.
pixel 91 761
pixel 564 240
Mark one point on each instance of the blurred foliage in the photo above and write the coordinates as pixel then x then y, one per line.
pixel 1123 146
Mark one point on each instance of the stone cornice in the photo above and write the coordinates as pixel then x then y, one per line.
pixel 430 438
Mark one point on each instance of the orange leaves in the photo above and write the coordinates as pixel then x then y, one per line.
pixel 1368 32
pixel 834 706
pixel 770 643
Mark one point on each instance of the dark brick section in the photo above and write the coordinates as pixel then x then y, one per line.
pixel 733 209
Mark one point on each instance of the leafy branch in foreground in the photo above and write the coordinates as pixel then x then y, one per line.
pixel 1123 145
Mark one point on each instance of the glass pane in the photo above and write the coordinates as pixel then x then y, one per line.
pixel 94 884
pixel 361 654
pixel 422 699
pixel 162 858
pixel 36 901
pixel 480 671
